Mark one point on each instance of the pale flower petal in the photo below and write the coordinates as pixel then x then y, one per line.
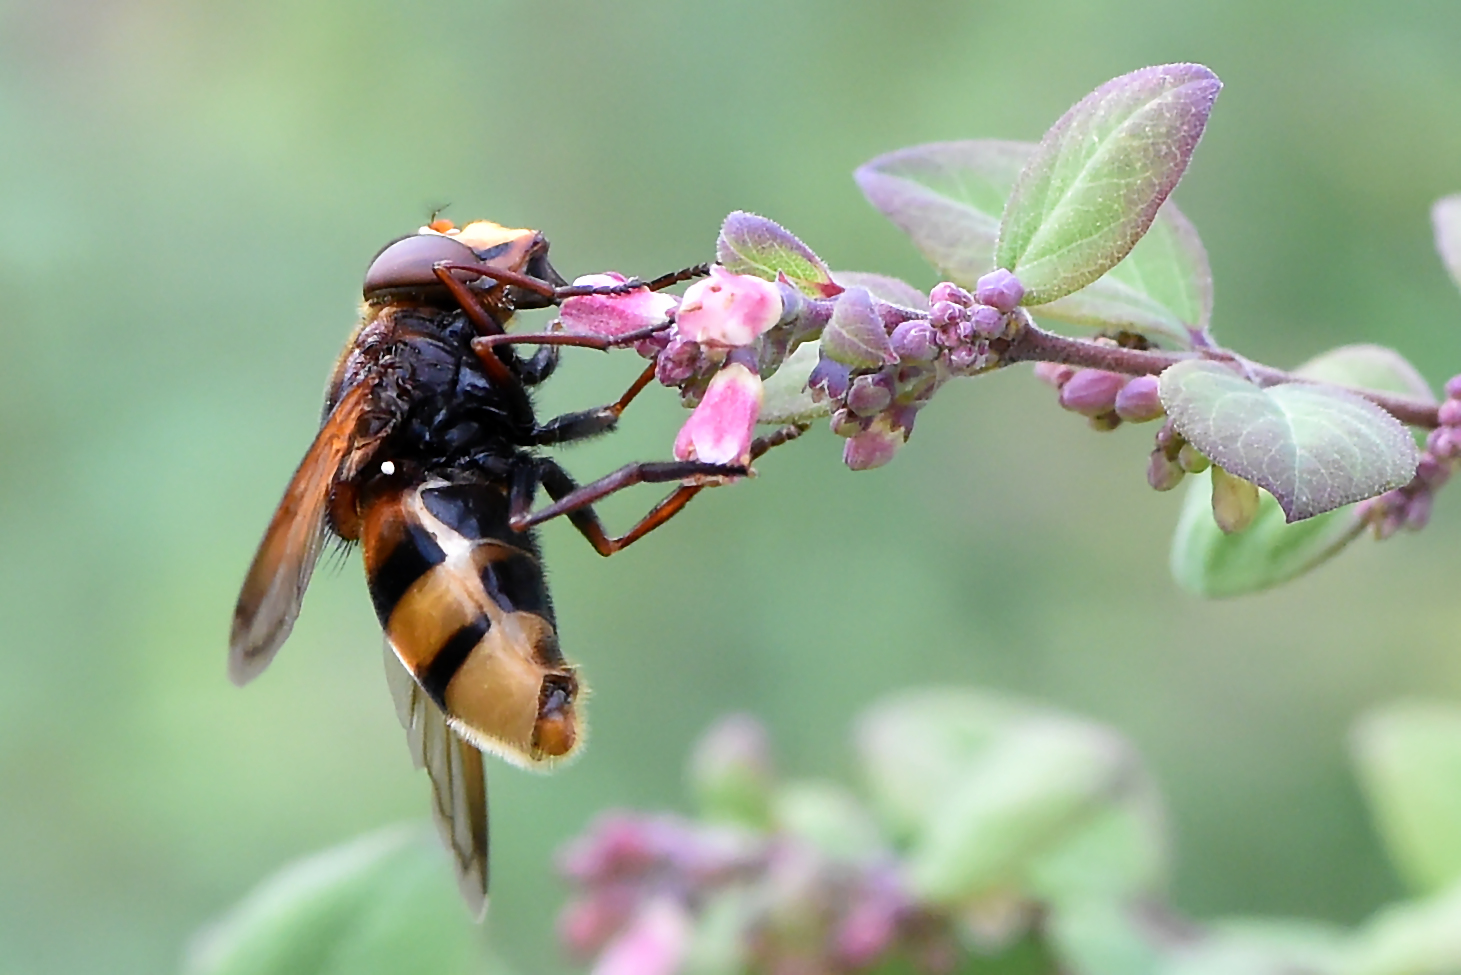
pixel 722 427
pixel 728 309
pixel 612 315
pixel 654 943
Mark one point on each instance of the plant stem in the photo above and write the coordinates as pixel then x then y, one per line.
pixel 1034 344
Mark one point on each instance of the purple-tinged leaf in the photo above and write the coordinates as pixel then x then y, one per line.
pixel 1162 289
pixel 1314 448
pixel 855 335
pixel 1099 177
pixel 1206 562
pixel 892 290
pixel 1446 218
pixel 751 244
pixel 948 197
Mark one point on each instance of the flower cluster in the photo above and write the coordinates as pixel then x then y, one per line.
pixel 877 374
pixel 661 894
pixel 1410 506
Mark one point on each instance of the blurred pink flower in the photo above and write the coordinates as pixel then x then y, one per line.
pixel 728 309
pixel 721 428
pixel 654 943
pixel 612 315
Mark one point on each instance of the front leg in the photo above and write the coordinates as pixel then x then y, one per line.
pixel 589 423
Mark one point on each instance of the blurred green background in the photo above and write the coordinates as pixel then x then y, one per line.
pixel 189 193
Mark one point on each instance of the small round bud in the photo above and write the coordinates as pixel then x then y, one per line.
pixel 1138 400
pixel 1234 501
pixel 1192 460
pixel 1162 473
pixel 1449 413
pixel 874 447
pixel 963 356
pixel 869 395
pixel 1453 387
pixel 987 321
pixel 1418 511
pixel 1104 423
pixel 1443 444
pixel 1432 472
pixel 1056 374
pixel 915 341
pixel 948 291
pixel 943 314
pixel 845 423
pixel 1091 391
pixel 999 288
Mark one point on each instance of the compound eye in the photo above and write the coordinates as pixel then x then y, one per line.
pixel 407 263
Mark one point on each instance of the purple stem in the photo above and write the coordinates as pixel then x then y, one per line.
pixel 1034 344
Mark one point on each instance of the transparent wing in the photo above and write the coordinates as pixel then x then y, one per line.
pixel 269 601
pixel 458 780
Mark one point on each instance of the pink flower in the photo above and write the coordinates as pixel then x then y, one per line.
pixel 614 314
pixel 720 430
pixel 654 943
pixel 728 309
pixel 874 446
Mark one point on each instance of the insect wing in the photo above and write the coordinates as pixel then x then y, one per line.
pixel 272 592
pixel 458 780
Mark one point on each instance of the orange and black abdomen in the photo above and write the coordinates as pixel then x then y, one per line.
pixel 462 599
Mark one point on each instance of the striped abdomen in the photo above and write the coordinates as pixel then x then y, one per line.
pixel 463 602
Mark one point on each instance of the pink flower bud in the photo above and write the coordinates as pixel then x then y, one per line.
pixel 728 309
pixel 988 321
pixel 654 943
pixel 914 341
pixel 999 288
pixel 1091 392
pixel 948 291
pixel 612 315
pixel 1057 374
pixel 1449 413
pixel 1453 387
pixel 1163 473
pixel 721 428
pixel 873 447
pixel 1138 400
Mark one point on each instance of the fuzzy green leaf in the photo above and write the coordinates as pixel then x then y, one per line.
pixel 1207 562
pixel 1314 448
pixel 1095 184
pixel 751 244
pixel 1409 762
pixel 384 903
pixel 1162 289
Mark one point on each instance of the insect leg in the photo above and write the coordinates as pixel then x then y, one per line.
pixel 577 502
pixel 590 423
pixel 540 366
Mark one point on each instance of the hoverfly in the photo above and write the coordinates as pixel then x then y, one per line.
pixel 428 456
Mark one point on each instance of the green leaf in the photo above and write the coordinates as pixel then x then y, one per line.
pixel 1207 562
pixel 829 818
pixel 948 197
pixel 1095 184
pixel 785 397
pixel 751 244
pixel 1314 448
pixel 1408 757
pixel 1162 289
pixel 384 903
pixel 1417 938
pixel 1108 937
pixel 1036 788
pixel 1446 220
pixel 915 745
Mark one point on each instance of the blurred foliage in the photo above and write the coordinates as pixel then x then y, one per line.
pixel 191 193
